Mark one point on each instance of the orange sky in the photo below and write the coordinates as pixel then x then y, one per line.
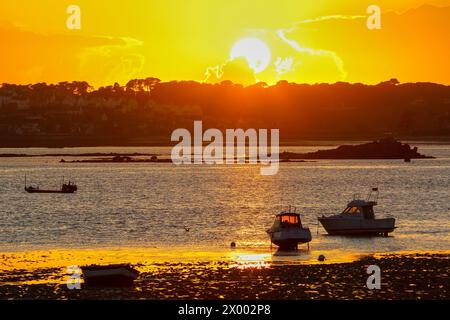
pixel 309 41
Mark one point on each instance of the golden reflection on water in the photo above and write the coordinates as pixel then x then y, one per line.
pixel 140 257
pixel 52 264
pixel 50 267
pixel 244 260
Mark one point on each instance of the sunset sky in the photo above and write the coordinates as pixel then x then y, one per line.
pixel 294 40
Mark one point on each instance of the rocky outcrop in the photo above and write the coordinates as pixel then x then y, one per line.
pixel 387 148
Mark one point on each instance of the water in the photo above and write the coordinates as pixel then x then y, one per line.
pixel 148 205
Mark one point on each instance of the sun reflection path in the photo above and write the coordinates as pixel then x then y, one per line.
pixel 39 267
pixel 243 260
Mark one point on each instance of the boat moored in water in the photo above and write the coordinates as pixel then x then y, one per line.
pixel 287 231
pixel 69 187
pixel 359 219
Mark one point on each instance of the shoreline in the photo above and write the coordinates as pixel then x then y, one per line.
pixel 326 150
pixel 100 156
pixel 403 276
pixel 301 142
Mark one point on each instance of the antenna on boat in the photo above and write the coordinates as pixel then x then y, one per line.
pixel 373 195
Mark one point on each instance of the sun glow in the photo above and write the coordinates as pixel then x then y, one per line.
pixel 255 51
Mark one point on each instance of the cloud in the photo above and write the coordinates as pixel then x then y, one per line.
pixel 291 60
pixel 411 46
pixel 113 61
pixel 284 65
pixel 313 65
pixel 332 17
pixel 237 71
pixel 37 57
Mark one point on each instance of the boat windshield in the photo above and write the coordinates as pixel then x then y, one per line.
pixel 352 210
pixel 289 219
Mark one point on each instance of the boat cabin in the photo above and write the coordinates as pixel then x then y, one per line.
pixel 288 219
pixel 360 209
pixel 69 187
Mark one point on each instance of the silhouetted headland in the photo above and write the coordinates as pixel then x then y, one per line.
pixel 386 148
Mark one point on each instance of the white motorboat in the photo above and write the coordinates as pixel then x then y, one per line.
pixel 287 231
pixel 359 219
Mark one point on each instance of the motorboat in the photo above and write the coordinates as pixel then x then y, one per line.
pixel 358 218
pixel 287 231
pixel 116 275
pixel 69 187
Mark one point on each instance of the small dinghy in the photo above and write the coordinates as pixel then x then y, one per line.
pixel 117 275
pixel 287 231
pixel 359 219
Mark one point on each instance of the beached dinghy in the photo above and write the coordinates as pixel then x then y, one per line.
pixel 287 231
pixel 110 276
pixel 359 219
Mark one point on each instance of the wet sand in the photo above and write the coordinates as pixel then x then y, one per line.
pixel 403 276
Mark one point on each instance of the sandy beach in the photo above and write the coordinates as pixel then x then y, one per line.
pixel 403 276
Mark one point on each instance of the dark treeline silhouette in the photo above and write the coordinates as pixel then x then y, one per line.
pixel 146 111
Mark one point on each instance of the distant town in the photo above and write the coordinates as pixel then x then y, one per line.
pixel 146 111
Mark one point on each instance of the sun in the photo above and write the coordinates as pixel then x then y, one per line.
pixel 255 51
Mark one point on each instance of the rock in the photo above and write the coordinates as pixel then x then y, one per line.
pixel 386 148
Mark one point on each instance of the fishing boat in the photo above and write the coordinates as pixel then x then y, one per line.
pixel 116 275
pixel 287 231
pixel 69 187
pixel 358 218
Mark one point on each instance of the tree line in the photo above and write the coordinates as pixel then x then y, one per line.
pixel 146 111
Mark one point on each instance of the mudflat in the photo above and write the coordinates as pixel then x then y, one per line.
pixel 403 276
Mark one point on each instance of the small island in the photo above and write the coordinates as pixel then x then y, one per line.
pixel 383 149
pixel 386 148
pixel 120 159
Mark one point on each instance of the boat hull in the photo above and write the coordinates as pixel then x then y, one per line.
pixel 48 191
pixel 289 239
pixel 358 227
pixel 109 276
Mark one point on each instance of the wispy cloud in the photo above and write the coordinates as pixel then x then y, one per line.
pixel 313 52
pixel 292 60
pixel 38 57
pixel 236 70
pixel 331 17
